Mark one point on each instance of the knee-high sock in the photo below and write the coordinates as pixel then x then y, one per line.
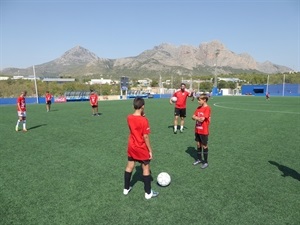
pixel 147 184
pixel 127 177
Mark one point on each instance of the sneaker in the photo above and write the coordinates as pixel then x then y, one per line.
pixel 205 165
pixel 151 195
pixel 25 130
pixel 175 131
pixel 17 128
pixel 181 130
pixel 198 161
pixel 126 191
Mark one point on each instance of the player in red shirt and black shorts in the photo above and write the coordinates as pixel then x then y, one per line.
pixel 139 148
pixel 94 103
pixel 21 109
pixel 180 106
pixel 202 117
pixel 48 98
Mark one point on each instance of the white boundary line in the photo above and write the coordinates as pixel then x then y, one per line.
pixel 254 110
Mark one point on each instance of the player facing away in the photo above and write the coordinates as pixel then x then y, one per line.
pixel 21 109
pixel 139 148
pixel 202 117
pixel 48 98
pixel 94 103
pixel 268 96
pixel 180 106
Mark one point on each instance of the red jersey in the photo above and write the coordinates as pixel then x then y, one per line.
pixel 181 98
pixel 94 99
pixel 21 104
pixel 202 127
pixel 137 148
pixel 48 97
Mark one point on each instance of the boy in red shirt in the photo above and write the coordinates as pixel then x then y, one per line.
pixel 202 117
pixel 48 98
pixel 94 103
pixel 139 148
pixel 180 106
pixel 21 109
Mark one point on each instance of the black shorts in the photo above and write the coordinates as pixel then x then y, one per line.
pixel 48 103
pixel 146 162
pixel 180 112
pixel 94 106
pixel 203 139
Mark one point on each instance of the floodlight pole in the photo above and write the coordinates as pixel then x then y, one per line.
pixel 36 90
pixel 217 52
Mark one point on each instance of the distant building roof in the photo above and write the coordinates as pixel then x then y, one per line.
pixel 58 79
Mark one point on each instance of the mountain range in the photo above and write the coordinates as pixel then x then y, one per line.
pixel 164 59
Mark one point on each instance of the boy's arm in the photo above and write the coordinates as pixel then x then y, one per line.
pixel 147 141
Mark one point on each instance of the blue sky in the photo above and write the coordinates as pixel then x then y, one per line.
pixel 33 32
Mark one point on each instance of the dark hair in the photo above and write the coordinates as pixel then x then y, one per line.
pixel 203 96
pixel 182 84
pixel 138 103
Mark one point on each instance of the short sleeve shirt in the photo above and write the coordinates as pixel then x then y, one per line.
pixel 137 148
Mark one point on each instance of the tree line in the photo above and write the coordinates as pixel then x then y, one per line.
pixel 13 88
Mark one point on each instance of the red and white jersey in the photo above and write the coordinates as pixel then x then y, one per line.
pixel 181 98
pixel 203 127
pixel 94 99
pixel 48 97
pixel 137 148
pixel 21 104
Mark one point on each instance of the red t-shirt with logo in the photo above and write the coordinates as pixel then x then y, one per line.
pixel 21 105
pixel 94 99
pixel 202 127
pixel 137 148
pixel 181 98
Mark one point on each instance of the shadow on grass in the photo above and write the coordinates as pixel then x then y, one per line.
pixel 138 176
pixel 37 126
pixel 287 171
pixel 192 152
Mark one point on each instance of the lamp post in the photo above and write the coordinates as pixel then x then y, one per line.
pixel 215 87
pixel 217 52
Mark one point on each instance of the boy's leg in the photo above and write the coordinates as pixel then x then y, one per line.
pixel 147 178
pixel 199 154
pixel 18 122
pixel 24 124
pixel 205 156
pixel 127 176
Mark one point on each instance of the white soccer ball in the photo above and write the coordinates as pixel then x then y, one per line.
pixel 174 99
pixel 163 179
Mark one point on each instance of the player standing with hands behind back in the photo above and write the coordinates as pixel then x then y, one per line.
pixel 139 148
pixel 202 117
pixel 180 106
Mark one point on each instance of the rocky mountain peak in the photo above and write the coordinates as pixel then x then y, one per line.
pixel 77 54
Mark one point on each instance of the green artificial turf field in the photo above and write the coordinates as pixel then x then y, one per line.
pixel 68 168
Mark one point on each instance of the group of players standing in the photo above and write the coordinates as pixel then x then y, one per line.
pixel 139 147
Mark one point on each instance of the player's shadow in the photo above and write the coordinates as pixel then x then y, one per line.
pixel 287 171
pixel 37 126
pixel 192 152
pixel 138 176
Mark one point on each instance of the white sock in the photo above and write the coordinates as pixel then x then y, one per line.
pixel 24 124
pixel 181 127
pixel 175 127
pixel 18 123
